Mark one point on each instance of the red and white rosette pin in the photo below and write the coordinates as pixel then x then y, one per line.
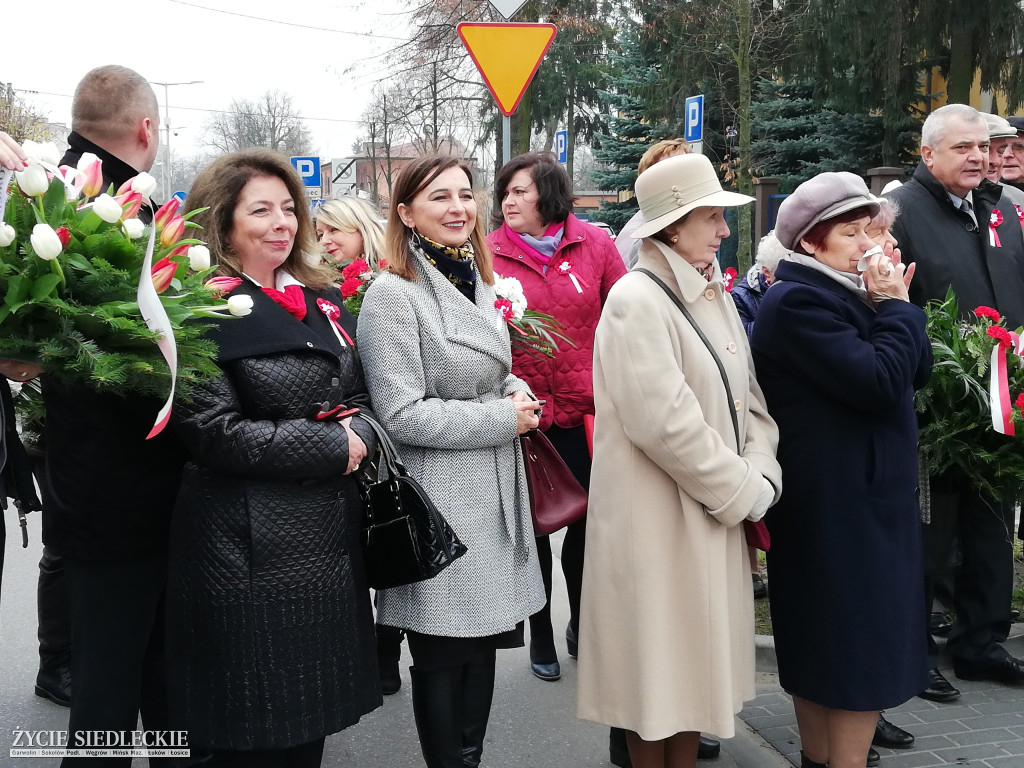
pixel 1020 214
pixel 994 221
pixel 333 313
pixel 566 269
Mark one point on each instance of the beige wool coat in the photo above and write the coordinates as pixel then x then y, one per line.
pixel 667 619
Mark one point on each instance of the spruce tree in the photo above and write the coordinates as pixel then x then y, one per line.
pixel 630 131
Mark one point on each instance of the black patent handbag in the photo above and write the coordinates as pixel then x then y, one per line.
pixel 406 539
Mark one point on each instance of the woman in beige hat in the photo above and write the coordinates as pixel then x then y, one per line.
pixel 684 452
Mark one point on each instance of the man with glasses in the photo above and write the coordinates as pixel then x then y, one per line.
pixel 1013 161
pixel 1002 137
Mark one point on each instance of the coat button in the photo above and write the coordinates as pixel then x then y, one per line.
pixel 309 344
pixel 738 404
pixel 732 347
pixel 520 255
pixel 709 294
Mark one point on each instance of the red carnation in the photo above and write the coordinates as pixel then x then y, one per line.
pixel 351 287
pixel 1001 335
pixel 355 268
pixel 383 263
pixel 1019 402
pixel 988 312
pixel 64 235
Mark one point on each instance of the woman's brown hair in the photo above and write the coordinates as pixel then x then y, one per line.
pixel 413 179
pixel 218 189
pixel 554 189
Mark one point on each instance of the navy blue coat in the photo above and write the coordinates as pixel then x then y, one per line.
pixel 846 561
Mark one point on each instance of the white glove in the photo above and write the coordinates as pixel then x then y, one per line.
pixel 763 501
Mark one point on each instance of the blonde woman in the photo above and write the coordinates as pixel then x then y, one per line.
pixel 349 229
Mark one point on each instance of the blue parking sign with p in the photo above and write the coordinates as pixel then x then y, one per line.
pixel 308 169
pixel 693 119
pixel 562 146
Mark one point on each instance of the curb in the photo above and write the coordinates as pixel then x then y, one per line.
pixel 764 654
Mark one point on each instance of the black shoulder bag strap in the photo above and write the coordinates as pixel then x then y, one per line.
pixel 707 343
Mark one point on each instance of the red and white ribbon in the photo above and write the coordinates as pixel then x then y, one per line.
pixel 1020 214
pixel 999 389
pixel 994 221
pixel 156 319
pixel 566 269
pixel 333 313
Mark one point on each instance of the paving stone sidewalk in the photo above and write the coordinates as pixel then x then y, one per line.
pixel 985 727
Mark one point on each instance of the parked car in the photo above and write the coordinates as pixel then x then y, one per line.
pixel 605 227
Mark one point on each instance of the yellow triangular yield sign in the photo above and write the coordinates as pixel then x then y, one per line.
pixel 507 56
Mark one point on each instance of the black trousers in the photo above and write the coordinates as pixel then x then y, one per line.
pixel 117 651
pixel 571 445
pixel 983 585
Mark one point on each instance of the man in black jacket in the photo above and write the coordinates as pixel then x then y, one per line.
pixel 108 491
pixel 944 225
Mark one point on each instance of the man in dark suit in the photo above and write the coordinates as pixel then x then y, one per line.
pixel 108 491
pixel 944 223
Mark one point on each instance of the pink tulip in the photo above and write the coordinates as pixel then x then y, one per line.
pixel 172 231
pixel 92 178
pixel 222 285
pixel 124 188
pixel 163 273
pixel 130 203
pixel 165 213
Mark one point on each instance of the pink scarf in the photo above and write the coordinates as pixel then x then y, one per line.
pixel 541 258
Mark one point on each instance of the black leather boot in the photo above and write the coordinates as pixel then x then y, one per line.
pixel 389 651
pixel 437 708
pixel 54 615
pixel 477 692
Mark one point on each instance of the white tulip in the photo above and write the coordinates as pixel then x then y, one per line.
pixel 32 181
pixel 107 208
pixel 199 257
pixel 49 153
pixel 240 306
pixel 134 228
pixel 33 151
pixel 45 242
pixel 7 235
pixel 144 184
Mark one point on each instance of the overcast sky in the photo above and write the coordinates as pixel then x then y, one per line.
pixel 303 47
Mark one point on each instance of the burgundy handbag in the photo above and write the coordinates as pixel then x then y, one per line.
pixel 556 497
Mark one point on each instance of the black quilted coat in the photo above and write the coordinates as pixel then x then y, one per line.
pixel 270 629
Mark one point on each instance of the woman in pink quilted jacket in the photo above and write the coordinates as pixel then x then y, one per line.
pixel 566 268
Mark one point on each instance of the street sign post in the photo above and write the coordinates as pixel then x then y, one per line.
pixel 562 146
pixel 308 169
pixel 693 119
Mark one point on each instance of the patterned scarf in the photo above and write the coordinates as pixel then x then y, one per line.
pixel 457 264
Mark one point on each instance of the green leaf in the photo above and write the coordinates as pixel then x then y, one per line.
pixel 17 290
pixel 44 286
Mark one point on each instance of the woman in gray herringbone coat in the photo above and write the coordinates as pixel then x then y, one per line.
pixel 438 366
